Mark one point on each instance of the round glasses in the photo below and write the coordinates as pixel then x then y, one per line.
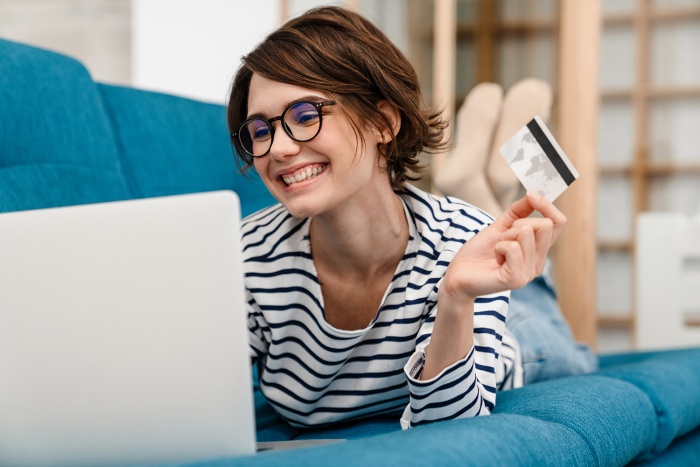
pixel 301 121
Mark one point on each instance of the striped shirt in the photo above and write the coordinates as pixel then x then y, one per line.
pixel 315 375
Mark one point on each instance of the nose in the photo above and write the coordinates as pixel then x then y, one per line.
pixel 282 144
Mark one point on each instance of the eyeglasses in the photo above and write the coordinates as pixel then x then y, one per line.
pixel 301 121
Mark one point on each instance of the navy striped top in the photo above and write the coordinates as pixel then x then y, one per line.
pixel 315 375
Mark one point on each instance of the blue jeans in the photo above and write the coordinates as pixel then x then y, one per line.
pixel 546 342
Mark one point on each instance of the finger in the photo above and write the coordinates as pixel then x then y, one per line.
pixel 531 255
pixel 514 271
pixel 525 235
pixel 500 258
pixel 543 228
pixel 548 210
pixel 538 224
pixel 520 209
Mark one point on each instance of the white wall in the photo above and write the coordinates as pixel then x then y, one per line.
pixel 192 48
pixel 388 15
pixel 96 32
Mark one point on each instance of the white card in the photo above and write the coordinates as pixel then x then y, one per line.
pixel 538 161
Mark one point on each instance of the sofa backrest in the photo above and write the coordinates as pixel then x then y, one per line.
pixel 56 144
pixel 65 140
pixel 171 145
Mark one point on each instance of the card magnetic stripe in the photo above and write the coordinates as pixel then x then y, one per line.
pixel 551 153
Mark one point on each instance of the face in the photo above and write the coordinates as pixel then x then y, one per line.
pixel 321 175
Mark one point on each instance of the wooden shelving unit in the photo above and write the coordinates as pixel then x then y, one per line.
pixel 486 30
pixel 641 95
pixel 627 173
pixel 481 40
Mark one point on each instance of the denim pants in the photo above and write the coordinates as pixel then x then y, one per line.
pixel 546 342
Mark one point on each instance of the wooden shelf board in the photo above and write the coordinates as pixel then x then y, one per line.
pixel 671 168
pixel 509 28
pixel 666 92
pixel 616 19
pixel 615 169
pixel 615 245
pixel 616 320
pixel 527 26
pixel 675 13
pixel 660 14
pixel 615 94
pixel 465 31
pixel 651 169
pixel 659 92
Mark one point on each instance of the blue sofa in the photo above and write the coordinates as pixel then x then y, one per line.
pixel 66 140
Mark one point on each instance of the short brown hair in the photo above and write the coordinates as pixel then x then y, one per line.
pixel 340 53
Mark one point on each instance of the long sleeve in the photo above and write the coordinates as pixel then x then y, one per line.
pixel 467 388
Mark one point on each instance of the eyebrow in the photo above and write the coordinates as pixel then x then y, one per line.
pixel 310 97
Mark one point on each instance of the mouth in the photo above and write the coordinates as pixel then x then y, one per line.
pixel 303 174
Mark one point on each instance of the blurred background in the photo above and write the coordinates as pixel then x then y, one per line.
pixel 625 74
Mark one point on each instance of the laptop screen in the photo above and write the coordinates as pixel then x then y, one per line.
pixel 123 336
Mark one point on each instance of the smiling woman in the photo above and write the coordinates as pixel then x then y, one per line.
pixel 346 275
pixel 350 72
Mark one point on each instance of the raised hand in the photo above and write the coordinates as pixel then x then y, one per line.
pixel 506 255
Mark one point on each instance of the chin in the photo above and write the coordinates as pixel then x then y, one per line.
pixel 302 205
pixel 301 212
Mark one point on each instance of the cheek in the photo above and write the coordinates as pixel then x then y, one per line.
pixel 354 151
pixel 261 164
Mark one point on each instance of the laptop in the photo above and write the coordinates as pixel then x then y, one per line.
pixel 122 333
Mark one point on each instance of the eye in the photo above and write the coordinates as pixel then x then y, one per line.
pixel 261 132
pixel 304 114
pixel 258 130
pixel 307 118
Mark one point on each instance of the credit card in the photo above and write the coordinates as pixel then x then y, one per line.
pixel 538 161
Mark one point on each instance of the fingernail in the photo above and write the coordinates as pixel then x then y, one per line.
pixel 534 196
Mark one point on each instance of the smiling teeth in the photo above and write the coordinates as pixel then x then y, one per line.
pixel 309 173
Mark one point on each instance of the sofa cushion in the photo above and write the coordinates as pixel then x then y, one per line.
pixel 528 427
pixel 599 410
pixel 36 186
pixel 57 146
pixel 504 440
pixel 683 451
pixel 671 380
pixel 171 145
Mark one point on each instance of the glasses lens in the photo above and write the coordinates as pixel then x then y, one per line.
pixel 302 121
pixel 256 136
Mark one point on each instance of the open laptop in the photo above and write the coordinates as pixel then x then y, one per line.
pixel 122 333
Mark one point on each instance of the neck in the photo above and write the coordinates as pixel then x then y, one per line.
pixel 364 238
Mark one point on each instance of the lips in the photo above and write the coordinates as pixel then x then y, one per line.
pixel 302 174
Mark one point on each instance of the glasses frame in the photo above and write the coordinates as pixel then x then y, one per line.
pixel 319 108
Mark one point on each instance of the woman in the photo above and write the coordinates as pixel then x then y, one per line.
pixel 366 294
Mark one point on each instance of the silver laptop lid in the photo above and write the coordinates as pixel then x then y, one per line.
pixel 122 333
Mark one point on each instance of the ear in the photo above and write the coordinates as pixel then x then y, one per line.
pixel 393 116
